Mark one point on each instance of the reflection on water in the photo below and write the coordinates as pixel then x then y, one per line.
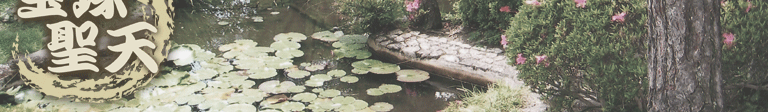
pixel 195 25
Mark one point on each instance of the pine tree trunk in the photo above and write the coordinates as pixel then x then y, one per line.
pixel 684 56
pixel 432 19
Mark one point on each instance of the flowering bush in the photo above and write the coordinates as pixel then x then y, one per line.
pixel 745 48
pixel 486 18
pixel 582 53
pixel 363 16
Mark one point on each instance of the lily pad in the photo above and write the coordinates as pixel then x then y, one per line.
pixel 262 73
pixel 326 36
pixel 317 90
pixel 296 89
pixel 353 39
pixel 239 108
pixel 343 100
pixel 292 36
pixel 381 106
pixel 205 73
pixel 337 73
pixel 276 86
pixel 297 74
pixel 374 66
pixel 314 67
pixel 330 93
pixel 215 104
pixel 314 83
pixel 321 77
pixel 290 53
pixel 222 23
pixel 292 106
pixel 349 79
pixel 274 100
pixel 304 97
pixel 181 55
pixel 244 98
pixel 277 63
pixel 390 88
pixel 239 45
pixel 284 45
pixel 374 92
pixel 412 75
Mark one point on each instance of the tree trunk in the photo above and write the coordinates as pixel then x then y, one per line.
pixel 684 56
pixel 432 19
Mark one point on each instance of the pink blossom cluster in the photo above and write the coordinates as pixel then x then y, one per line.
pixel 539 59
pixel 619 17
pixel 412 6
pixel 581 3
pixel 728 39
pixel 533 2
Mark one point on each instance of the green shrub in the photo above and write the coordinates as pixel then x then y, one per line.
pixel 498 98
pixel 588 56
pixel 484 18
pixel 372 15
pixel 29 34
pixel 745 62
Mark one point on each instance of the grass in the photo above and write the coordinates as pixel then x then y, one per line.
pixel 498 98
pixel 29 33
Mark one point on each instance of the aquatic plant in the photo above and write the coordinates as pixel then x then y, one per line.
pixel 412 75
pixel 374 66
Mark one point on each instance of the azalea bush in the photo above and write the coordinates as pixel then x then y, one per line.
pixel 486 19
pixel 582 54
pixel 363 16
pixel 744 54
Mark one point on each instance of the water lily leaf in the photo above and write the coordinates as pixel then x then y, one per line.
pixel 292 106
pixel 304 64
pixel 343 100
pixel 296 89
pixel 326 36
pixel 213 104
pixel 249 63
pixel 360 104
pixel 222 23
pixel 390 88
pixel 190 99
pixel 239 45
pixel 217 93
pixel 126 109
pixel 244 98
pixel 374 66
pixel 205 73
pixel 385 68
pixel 203 55
pixel 412 76
pixel 337 73
pixel 274 100
pixel 262 50
pixel 290 53
pixel 349 79
pixel 277 63
pixel 181 55
pixel 360 70
pixel 239 108
pixel 374 92
pixel 262 73
pixel 285 45
pixel 292 36
pixel 314 83
pixel 314 67
pixel 297 74
pixel 330 93
pixel 320 77
pixel 218 84
pixel 270 110
pixel 353 39
pixel 304 97
pixel 275 86
pixel 317 90
pixel 381 106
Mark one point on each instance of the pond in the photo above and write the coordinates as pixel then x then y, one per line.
pixel 210 27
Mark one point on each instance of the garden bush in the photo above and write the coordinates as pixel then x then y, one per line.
pixel 744 62
pixel 486 19
pixel 498 98
pixel 29 34
pixel 586 56
pixel 362 16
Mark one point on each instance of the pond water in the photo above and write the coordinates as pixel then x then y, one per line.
pixel 200 25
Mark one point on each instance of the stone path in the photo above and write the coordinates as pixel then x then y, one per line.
pixel 489 63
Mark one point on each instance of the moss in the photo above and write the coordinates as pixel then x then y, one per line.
pixel 498 98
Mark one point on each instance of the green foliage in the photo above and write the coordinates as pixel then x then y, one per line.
pixel 29 35
pixel 587 52
pixel 485 18
pixel 498 98
pixel 372 15
pixel 745 62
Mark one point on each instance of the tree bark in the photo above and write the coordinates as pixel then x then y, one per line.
pixel 432 19
pixel 684 56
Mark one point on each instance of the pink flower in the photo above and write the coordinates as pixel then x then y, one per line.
pixel 504 40
pixel 520 59
pixel 541 58
pixel 581 3
pixel 619 17
pixel 749 6
pixel 412 6
pixel 728 39
pixel 505 9
pixel 533 2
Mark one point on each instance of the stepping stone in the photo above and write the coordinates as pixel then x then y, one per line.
pixel 449 58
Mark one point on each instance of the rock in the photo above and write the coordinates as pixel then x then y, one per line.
pixel 463 51
pixel 443 40
pixel 432 38
pixel 412 43
pixel 486 60
pixel 385 42
pixel 495 50
pixel 475 52
pixel 410 51
pixel 450 52
pixel 423 53
pixel 392 36
pixel 415 33
pixel 399 39
pixel 407 35
pixel 449 58
pixel 380 39
pixel 435 54
pixel 423 36
pixel 395 46
pixel 396 32
pixel 425 46
pixel 465 46
pixel 422 40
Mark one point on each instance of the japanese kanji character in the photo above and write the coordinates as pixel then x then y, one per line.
pixel 44 8
pixel 105 7
pixel 132 46
pixel 73 59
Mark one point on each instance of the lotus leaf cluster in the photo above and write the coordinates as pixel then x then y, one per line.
pixel 412 75
pixel 374 66
pixel 350 46
pixel 383 89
